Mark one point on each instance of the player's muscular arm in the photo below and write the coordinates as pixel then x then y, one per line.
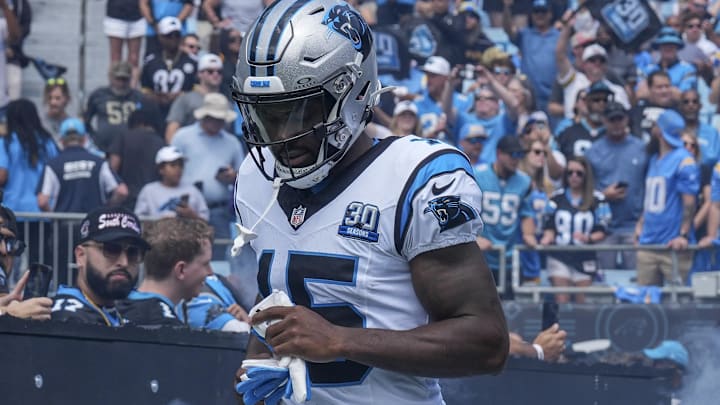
pixel 467 334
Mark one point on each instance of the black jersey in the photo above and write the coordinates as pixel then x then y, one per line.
pixel 168 76
pixel 567 219
pixel 577 138
pixel 110 112
pixel 71 305
pixel 146 309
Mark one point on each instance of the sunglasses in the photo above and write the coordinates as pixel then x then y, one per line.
pixel 213 71
pixel 13 246
pixel 235 38
pixel 192 46
pixel 539 152
pixel 690 145
pixel 475 140
pixel 689 26
pixel 597 60
pixel 113 250
pixel 483 98
pixel 691 101
pixel 501 71
pixel 55 81
pixel 578 173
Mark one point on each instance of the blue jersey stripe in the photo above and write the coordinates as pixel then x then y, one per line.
pixel 441 162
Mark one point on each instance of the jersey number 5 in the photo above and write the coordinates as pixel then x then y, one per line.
pixel 305 268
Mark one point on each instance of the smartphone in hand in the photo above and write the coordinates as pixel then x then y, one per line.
pixel 39 281
pixel 621 184
pixel 549 314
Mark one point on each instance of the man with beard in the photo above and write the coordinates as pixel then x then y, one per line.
pixel 109 107
pixel 578 138
pixel 108 255
pixel 175 270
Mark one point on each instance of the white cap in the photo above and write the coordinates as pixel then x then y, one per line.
pixel 437 65
pixel 209 61
pixel 405 105
pixel 592 51
pixel 215 105
pixel 168 25
pixel 168 154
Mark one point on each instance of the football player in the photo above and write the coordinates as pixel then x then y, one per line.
pixel 373 241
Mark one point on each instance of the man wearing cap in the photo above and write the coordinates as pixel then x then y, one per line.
pixel 592 69
pixel 77 180
pixel 429 105
pixel 109 107
pixel 213 156
pixel 536 43
pixel 472 138
pixel 169 71
pixel 168 197
pixel 504 202
pixel 671 184
pixel 645 112
pixel 108 255
pixel 618 162
pixel 209 77
pixel 577 138
pixel 154 11
pixel 11 302
pixel 683 75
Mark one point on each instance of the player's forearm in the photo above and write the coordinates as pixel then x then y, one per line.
pixel 450 348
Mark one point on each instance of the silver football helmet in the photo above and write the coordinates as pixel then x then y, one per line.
pixel 306 74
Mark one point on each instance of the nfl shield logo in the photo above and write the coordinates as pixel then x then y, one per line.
pixel 298 216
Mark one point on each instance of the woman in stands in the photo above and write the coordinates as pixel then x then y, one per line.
pixel 578 216
pixel 56 98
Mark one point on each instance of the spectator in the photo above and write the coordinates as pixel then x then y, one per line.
pixel 621 67
pixel 536 43
pixel 191 46
pixel 77 180
pixel 670 189
pixel 696 40
pixel 429 104
pixel 707 136
pixel 154 11
pixel 213 156
pixel 23 154
pixel 228 46
pixel 109 107
pixel 646 112
pixel 683 76
pixel 525 101
pixel 702 259
pixel 217 307
pixel 537 128
pixel 713 218
pixel 125 25
pixel 175 268
pixel 181 112
pixel 167 197
pixel 15 58
pixel 403 122
pixel 108 255
pixel 619 162
pixel 238 14
pixel 594 68
pixel 472 140
pixel 132 154
pixel 475 42
pixel 56 98
pixel 504 204
pixel 578 216
pixel 168 72
pixel 11 302
pixel 577 138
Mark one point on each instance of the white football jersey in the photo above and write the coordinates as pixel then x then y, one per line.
pixel 344 251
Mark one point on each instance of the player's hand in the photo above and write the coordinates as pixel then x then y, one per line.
pixel 302 333
pixel 34 308
pixel 552 340
pixel 238 312
pixel 678 243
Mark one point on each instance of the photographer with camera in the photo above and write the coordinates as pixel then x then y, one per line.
pixel 12 302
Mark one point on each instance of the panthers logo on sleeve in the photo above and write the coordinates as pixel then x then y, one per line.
pixel 450 211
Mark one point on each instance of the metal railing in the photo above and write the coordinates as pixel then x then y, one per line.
pixel 673 289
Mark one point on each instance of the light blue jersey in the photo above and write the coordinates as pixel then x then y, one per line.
pixel 683 75
pixel 504 204
pixel 429 112
pixel 709 141
pixel 495 127
pixel 667 180
pixel 530 264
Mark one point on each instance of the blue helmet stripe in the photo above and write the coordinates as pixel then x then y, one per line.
pixel 256 35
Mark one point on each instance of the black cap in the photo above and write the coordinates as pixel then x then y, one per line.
pixel 9 220
pixel 615 109
pixel 599 87
pixel 510 144
pixel 107 224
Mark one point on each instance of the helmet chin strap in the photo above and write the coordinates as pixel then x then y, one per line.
pixel 245 235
